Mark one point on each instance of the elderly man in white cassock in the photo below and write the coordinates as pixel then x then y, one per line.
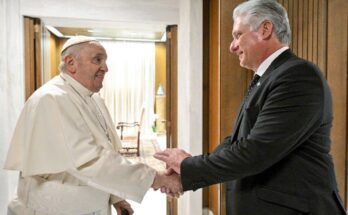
pixel 66 147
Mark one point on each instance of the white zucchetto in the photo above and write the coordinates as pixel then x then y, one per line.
pixel 76 40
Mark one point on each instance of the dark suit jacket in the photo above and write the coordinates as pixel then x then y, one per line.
pixel 277 160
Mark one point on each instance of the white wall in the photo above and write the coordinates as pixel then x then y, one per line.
pixel 11 88
pixel 188 13
pixel 190 78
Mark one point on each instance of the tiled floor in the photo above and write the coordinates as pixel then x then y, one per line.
pixel 154 202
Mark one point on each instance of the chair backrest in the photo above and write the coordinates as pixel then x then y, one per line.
pixel 141 117
pixel 125 139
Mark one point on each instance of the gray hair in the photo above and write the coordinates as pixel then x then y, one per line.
pixel 73 50
pixel 257 11
pixel 61 66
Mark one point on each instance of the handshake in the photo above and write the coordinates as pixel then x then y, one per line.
pixel 169 181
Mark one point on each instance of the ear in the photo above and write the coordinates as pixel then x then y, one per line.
pixel 266 29
pixel 70 63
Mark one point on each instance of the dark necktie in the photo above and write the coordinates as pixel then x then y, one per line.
pixel 253 83
pixel 236 128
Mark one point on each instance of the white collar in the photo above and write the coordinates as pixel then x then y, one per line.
pixel 266 63
pixel 76 85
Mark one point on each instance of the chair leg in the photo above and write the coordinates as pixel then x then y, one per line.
pixel 122 133
pixel 138 144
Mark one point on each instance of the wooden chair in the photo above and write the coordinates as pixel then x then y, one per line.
pixel 131 142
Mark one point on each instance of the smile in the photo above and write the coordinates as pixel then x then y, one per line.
pixel 100 75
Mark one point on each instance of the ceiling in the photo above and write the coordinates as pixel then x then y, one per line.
pixel 109 33
pixel 112 19
pixel 117 19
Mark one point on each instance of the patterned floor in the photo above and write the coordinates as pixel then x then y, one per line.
pixel 154 202
pixel 147 149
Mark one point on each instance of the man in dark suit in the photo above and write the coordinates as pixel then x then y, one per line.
pixel 277 160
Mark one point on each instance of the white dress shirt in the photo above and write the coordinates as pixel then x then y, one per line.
pixel 267 62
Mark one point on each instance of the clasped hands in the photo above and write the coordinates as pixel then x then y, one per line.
pixel 169 181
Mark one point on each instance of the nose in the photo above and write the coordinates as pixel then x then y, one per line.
pixel 234 47
pixel 105 67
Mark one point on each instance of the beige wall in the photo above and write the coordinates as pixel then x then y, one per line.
pixel 160 79
pixel 160 57
pixel 56 45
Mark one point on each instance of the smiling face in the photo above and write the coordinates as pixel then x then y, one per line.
pixel 88 65
pixel 247 44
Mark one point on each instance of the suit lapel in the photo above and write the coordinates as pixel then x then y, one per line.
pixel 282 58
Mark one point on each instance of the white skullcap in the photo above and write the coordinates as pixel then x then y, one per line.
pixel 76 40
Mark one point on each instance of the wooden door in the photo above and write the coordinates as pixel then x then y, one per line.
pixel 319 34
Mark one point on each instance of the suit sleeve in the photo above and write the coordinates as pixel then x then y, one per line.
pixel 290 113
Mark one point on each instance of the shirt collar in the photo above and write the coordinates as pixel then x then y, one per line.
pixel 76 85
pixel 266 63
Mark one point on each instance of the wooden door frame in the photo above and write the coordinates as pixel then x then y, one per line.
pixel 32 55
pixel 212 195
pixel 172 100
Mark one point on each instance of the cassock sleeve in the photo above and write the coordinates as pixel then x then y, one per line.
pixel 114 199
pixel 114 174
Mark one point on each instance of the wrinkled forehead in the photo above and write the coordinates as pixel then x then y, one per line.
pixel 93 48
pixel 95 45
pixel 240 24
pixel 241 21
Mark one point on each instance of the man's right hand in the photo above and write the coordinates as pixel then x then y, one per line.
pixel 168 182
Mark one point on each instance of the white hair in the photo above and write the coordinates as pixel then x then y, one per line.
pixel 257 11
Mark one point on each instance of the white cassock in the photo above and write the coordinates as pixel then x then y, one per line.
pixel 66 147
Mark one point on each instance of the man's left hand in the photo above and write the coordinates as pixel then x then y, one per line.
pixel 173 158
